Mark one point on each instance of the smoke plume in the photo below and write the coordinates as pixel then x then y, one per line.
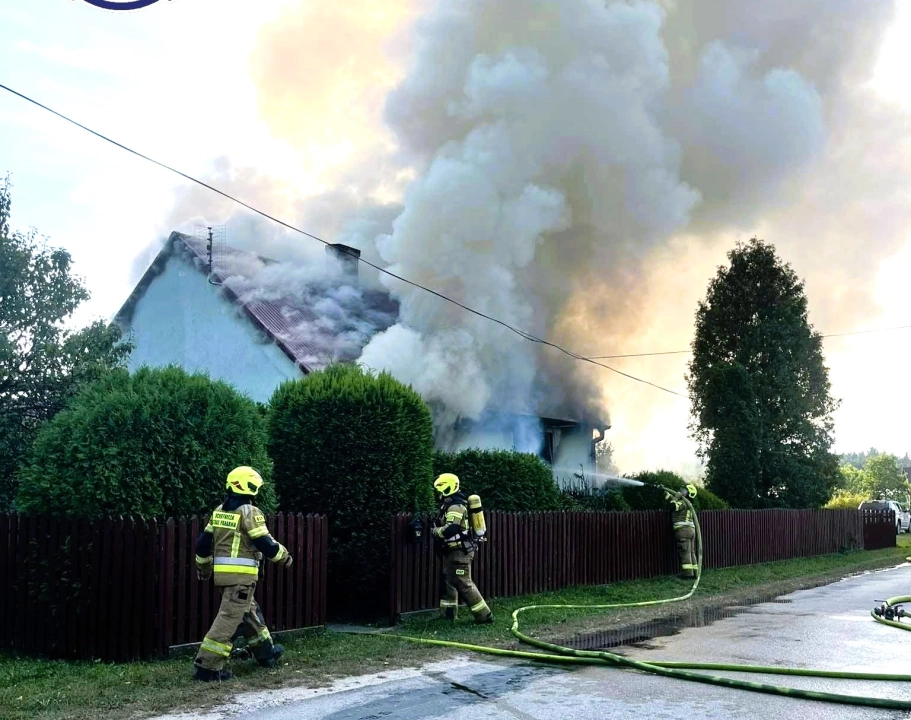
pixel 577 169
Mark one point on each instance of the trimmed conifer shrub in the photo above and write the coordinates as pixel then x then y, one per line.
pixel 358 448
pixel 156 443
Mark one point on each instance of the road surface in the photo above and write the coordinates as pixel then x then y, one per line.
pixel 827 627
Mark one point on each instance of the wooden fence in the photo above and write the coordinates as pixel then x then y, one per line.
pixel 122 589
pixel 535 552
pixel 879 529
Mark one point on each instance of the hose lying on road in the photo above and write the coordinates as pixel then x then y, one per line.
pixel 557 654
pixel 889 612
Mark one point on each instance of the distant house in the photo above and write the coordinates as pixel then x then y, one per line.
pixel 212 318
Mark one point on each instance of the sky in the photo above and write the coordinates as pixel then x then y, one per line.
pixel 324 114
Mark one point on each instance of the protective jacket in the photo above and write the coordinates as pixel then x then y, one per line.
pixel 452 523
pixel 234 543
pixel 681 515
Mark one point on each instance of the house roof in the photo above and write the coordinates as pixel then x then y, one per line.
pixel 318 323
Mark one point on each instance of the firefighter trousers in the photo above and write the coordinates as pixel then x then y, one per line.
pixel 458 583
pixel 686 537
pixel 238 616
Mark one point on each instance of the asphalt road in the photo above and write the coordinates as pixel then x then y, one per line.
pixel 827 627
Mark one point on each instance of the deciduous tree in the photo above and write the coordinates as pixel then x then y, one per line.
pixel 883 477
pixel 42 363
pixel 759 388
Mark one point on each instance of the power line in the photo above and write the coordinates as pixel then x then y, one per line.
pixel 633 355
pixel 865 332
pixel 686 352
pixel 517 331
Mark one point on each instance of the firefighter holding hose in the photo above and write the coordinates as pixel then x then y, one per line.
pixel 457 538
pixel 684 530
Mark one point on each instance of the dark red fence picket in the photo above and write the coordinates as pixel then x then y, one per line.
pixel 879 529
pixel 124 589
pixel 535 552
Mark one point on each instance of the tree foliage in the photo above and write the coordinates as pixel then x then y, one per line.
pixel 42 363
pixel 651 497
pixel 884 478
pixel 851 479
pixel 358 448
pixel 859 459
pixel 845 500
pixel 504 479
pixel 157 443
pixel 880 477
pixel 759 388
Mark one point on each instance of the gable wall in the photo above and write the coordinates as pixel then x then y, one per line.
pixel 183 319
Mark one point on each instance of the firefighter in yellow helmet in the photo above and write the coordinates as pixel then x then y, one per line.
pixel 684 529
pixel 231 548
pixel 458 546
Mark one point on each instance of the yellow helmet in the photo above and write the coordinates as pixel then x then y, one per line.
pixel 691 491
pixel 244 480
pixel 446 484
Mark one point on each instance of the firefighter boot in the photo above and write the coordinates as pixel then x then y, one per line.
pixel 277 652
pixel 205 675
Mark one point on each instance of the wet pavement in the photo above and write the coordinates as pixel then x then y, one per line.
pixel 827 627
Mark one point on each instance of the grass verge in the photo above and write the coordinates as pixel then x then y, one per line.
pixel 56 690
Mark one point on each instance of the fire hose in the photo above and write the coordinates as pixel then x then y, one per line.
pixel 560 655
pixel 890 612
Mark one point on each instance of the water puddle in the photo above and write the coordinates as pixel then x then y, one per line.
pixel 640 634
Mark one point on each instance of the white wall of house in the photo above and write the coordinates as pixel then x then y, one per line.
pixel 573 453
pixel 183 319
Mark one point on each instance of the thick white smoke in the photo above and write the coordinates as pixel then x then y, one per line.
pixel 580 168
pixel 549 128
pixel 551 145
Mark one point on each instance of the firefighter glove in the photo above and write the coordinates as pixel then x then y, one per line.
pixel 203 573
pixel 287 560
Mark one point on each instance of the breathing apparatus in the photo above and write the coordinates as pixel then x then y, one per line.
pixel 478 525
pixel 447 485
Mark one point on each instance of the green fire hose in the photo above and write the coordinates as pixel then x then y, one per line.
pixel 891 611
pixel 557 654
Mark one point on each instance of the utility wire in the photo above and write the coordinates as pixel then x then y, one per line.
pixel 683 352
pixel 517 331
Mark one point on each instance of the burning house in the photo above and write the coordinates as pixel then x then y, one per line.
pixel 215 314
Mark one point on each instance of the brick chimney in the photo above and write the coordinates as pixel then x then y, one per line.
pixel 347 256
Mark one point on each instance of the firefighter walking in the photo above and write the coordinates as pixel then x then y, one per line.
pixel 684 530
pixel 458 543
pixel 230 550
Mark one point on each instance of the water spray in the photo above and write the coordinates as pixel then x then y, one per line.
pixel 607 479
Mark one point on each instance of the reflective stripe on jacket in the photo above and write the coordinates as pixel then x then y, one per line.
pixel 235 559
pixel 681 515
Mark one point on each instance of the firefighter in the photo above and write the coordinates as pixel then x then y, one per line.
pixel 684 530
pixel 458 546
pixel 230 549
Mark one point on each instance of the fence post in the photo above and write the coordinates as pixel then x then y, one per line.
pixel 395 605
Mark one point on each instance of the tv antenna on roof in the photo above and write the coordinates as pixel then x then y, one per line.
pixel 216 244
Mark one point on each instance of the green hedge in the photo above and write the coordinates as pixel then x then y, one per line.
pixel 652 496
pixel 357 448
pixel 845 500
pixel 505 480
pixel 157 443
pixel 580 496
